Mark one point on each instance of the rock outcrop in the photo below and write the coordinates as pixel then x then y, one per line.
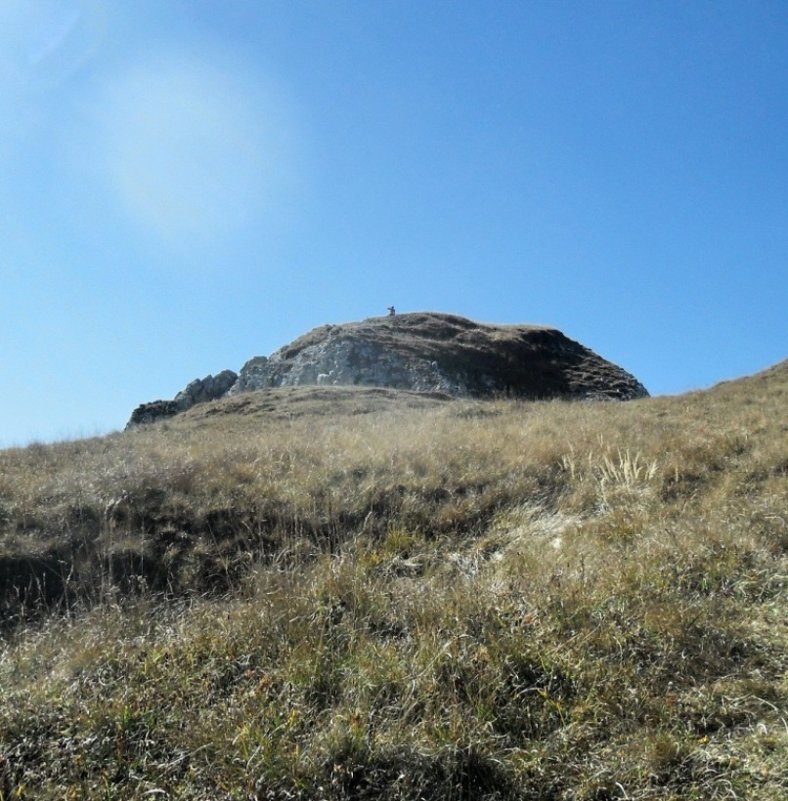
pixel 198 391
pixel 424 352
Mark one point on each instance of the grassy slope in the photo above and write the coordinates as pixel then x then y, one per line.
pixel 366 595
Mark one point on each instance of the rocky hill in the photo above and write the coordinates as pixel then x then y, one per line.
pixel 421 352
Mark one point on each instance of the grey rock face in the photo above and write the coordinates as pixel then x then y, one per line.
pixel 205 389
pixel 346 360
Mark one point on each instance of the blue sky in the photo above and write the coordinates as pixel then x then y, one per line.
pixel 185 185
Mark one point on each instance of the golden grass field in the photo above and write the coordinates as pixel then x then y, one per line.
pixel 346 593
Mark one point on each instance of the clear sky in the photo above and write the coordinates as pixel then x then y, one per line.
pixel 185 185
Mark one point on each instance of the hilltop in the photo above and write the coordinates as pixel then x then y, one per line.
pixel 421 352
pixel 352 592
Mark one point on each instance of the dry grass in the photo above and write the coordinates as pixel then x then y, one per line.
pixel 376 596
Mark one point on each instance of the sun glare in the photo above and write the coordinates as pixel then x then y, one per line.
pixel 193 152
